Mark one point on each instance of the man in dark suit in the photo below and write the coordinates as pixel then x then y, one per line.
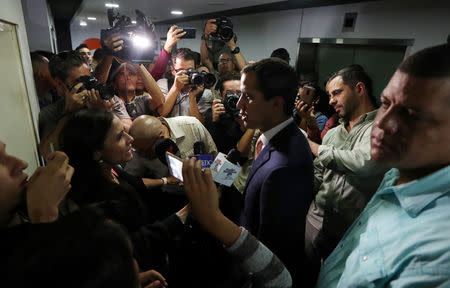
pixel 279 186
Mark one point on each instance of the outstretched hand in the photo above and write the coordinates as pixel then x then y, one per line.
pixel 201 191
pixel 47 188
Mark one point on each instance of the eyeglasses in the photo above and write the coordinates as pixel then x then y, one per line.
pixel 225 60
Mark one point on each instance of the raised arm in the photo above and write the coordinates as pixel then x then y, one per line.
pixel 267 269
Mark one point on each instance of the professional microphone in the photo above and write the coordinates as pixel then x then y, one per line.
pixel 200 154
pixel 164 145
pixel 225 168
pixel 199 148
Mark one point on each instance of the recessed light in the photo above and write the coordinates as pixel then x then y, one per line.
pixel 176 12
pixel 92 18
pixel 134 22
pixel 83 23
pixel 112 5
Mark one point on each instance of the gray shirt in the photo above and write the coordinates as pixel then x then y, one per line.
pixel 181 106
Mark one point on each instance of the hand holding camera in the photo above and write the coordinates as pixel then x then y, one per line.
pixel 217 110
pixel 181 80
pixel 113 43
pixel 75 99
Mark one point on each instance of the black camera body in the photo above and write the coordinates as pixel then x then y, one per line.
pixel 230 101
pixel 90 82
pixel 224 30
pixel 123 26
pixel 197 78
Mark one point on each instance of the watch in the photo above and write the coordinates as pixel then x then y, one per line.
pixel 164 179
pixel 236 50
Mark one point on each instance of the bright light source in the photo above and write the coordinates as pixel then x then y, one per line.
pixel 112 5
pixel 92 18
pixel 141 41
pixel 134 22
pixel 83 23
pixel 176 12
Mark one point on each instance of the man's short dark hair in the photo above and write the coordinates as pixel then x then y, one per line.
pixel 281 53
pixel 63 62
pixel 231 76
pixel 433 62
pixel 183 53
pixel 81 46
pixel 353 74
pixel 275 78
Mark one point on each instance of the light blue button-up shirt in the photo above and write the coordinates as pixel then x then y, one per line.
pixel 402 239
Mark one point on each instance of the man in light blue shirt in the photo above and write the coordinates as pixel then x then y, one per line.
pixel 402 238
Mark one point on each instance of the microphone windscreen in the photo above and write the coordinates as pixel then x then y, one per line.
pixel 199 148
pixel 234 156
pixel 164 145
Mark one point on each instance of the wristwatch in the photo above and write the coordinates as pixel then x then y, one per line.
pixel 236 50
pixel 164 179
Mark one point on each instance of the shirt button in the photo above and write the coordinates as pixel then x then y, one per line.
pixel 364 258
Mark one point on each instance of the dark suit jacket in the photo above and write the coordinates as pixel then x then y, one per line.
pixel 278 194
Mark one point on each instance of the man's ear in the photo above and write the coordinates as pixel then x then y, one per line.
pixel 60 85
pixel 360 89
pixel 173 70
pixel 97 155
pixel 278 103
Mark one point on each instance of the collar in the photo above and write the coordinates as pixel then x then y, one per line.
pixel 175 130
pixel 369 116
pixel 266 136
pixel 416 195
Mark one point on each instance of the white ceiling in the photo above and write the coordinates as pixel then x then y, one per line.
pixel 159 10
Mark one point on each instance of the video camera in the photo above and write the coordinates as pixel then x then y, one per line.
pixel 137 38
pixel 90 82
pixel 197 78
pixel 230 103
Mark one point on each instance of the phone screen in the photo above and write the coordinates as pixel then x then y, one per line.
pixel 175 165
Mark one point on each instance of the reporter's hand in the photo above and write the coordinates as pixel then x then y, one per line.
pixel 74 100
pixel 181 80
pixel 217 110
pixel 173 36
pixel 47 188
pixel 201 191
pixel 95 101
pixel 152 279
pixel 114 43
pixel 210 27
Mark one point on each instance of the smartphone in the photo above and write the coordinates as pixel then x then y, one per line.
pixel 190 32
pixel 175 165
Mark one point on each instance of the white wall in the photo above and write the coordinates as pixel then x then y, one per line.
pixel 259 34
pixel 11 11
pixel 425 21
pixel 38 23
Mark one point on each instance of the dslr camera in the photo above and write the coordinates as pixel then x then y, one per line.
pixel 197 78
pixel 90 82
pixel 230 103
pixel 224 29
pixel 139 36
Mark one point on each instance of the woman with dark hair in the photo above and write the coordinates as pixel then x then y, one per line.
pixel 312 110
pixel 96 144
